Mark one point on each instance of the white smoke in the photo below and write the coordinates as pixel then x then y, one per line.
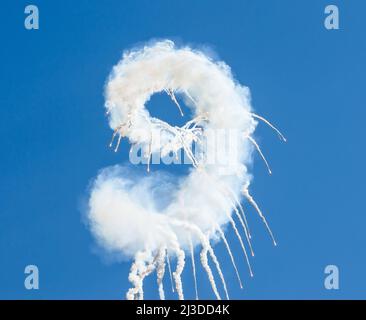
pixel 125 209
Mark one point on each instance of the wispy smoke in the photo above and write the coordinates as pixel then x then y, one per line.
pixel 150 218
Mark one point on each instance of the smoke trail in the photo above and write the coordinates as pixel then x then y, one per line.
pixel 222 235
pixel 204 262
pixel 161 271
pixel 146 216
pixel 137 274
pixel 281 136
pixel 260 153
pixel 193 266
pixel 170 271
pixel 242 245
pixel 217 264
pixel 177 273
pixel 255 205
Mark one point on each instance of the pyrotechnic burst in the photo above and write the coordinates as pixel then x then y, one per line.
pixel 124 212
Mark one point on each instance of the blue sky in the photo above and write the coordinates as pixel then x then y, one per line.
pixel 54 136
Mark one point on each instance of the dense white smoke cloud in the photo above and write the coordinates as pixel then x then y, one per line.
pixel 148 217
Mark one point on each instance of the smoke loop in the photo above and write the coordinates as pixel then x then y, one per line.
pixel 125 214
